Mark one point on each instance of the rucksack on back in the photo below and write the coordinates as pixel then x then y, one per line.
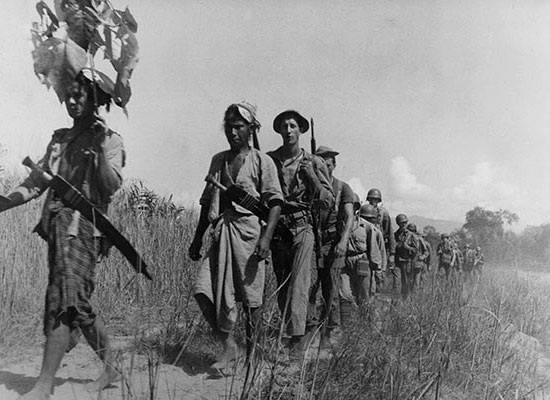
pixel 470 257
pixel 358 236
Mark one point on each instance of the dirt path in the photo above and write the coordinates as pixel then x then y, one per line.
pixel 81 366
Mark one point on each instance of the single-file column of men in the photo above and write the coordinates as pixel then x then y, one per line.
pixel 335 257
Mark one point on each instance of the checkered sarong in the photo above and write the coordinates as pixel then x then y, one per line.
pixel 72 263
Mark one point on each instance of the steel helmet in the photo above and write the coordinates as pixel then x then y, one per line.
pixel 368 211
pixel 401 218
pixel 411 227
pixel 374 194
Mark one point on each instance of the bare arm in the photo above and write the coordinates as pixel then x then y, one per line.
pixel 262 249
pixel 196 244
pixel 19 196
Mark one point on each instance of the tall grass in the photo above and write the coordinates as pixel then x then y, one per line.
pixel 450 340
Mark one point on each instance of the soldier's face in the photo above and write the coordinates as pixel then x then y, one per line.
pixel 403 224
pixel 373 202
pixel 290 131
pixel 237 132
pixel 77 102
pixel 331 164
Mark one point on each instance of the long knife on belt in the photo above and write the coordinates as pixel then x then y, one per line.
pixel 76 200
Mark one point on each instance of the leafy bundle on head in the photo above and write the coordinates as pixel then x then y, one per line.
pixel 69 39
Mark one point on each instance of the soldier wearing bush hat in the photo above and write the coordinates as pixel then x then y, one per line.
pixel 307 190
pixel 335 225
pixel 290 114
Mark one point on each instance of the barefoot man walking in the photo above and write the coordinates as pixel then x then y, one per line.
pixel 90 157
pixel 233 269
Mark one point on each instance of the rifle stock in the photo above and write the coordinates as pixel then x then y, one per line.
pixel 77 201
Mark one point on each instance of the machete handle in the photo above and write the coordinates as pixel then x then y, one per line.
pixel 27 162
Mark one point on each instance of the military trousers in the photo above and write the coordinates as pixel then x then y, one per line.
pixel 293 264
pixel 326 309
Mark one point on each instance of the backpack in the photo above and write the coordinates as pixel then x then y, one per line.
pixel 357 243
pixel 403 249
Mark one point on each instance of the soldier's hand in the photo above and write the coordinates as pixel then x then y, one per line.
pixel 306 167
pixel 341 248
pixel 262 248
pixel 195 250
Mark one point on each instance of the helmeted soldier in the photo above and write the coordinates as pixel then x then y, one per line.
pixel 370 213
pixel 406 252
pixel 420 266
pixel 384 223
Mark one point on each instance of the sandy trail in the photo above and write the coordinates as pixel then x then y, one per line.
pixel 81 367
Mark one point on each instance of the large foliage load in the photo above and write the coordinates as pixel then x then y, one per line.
pixel 75 35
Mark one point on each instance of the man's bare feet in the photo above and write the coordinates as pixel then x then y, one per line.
pixel 106 379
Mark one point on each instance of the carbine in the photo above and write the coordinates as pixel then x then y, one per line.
pixel 251 203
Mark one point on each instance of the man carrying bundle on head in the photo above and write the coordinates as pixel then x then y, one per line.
pixel 233 269
pixel 335 225
pixel 307 190
pixel 90 156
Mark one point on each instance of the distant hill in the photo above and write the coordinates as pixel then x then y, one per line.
pixel 441 225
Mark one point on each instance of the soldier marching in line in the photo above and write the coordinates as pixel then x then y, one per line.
pixel 366 254
pixel 479 261
pixel 233 270
pixel 335 226
pixel 384 223
pixel 406 252
pixel 445 253
pixel 421 263
pixel 469 260
pixel 307 190
pixel 376 253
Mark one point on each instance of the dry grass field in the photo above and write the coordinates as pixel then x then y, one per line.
pixel 485 339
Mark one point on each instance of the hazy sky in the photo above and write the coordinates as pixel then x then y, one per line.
pixel 443 105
